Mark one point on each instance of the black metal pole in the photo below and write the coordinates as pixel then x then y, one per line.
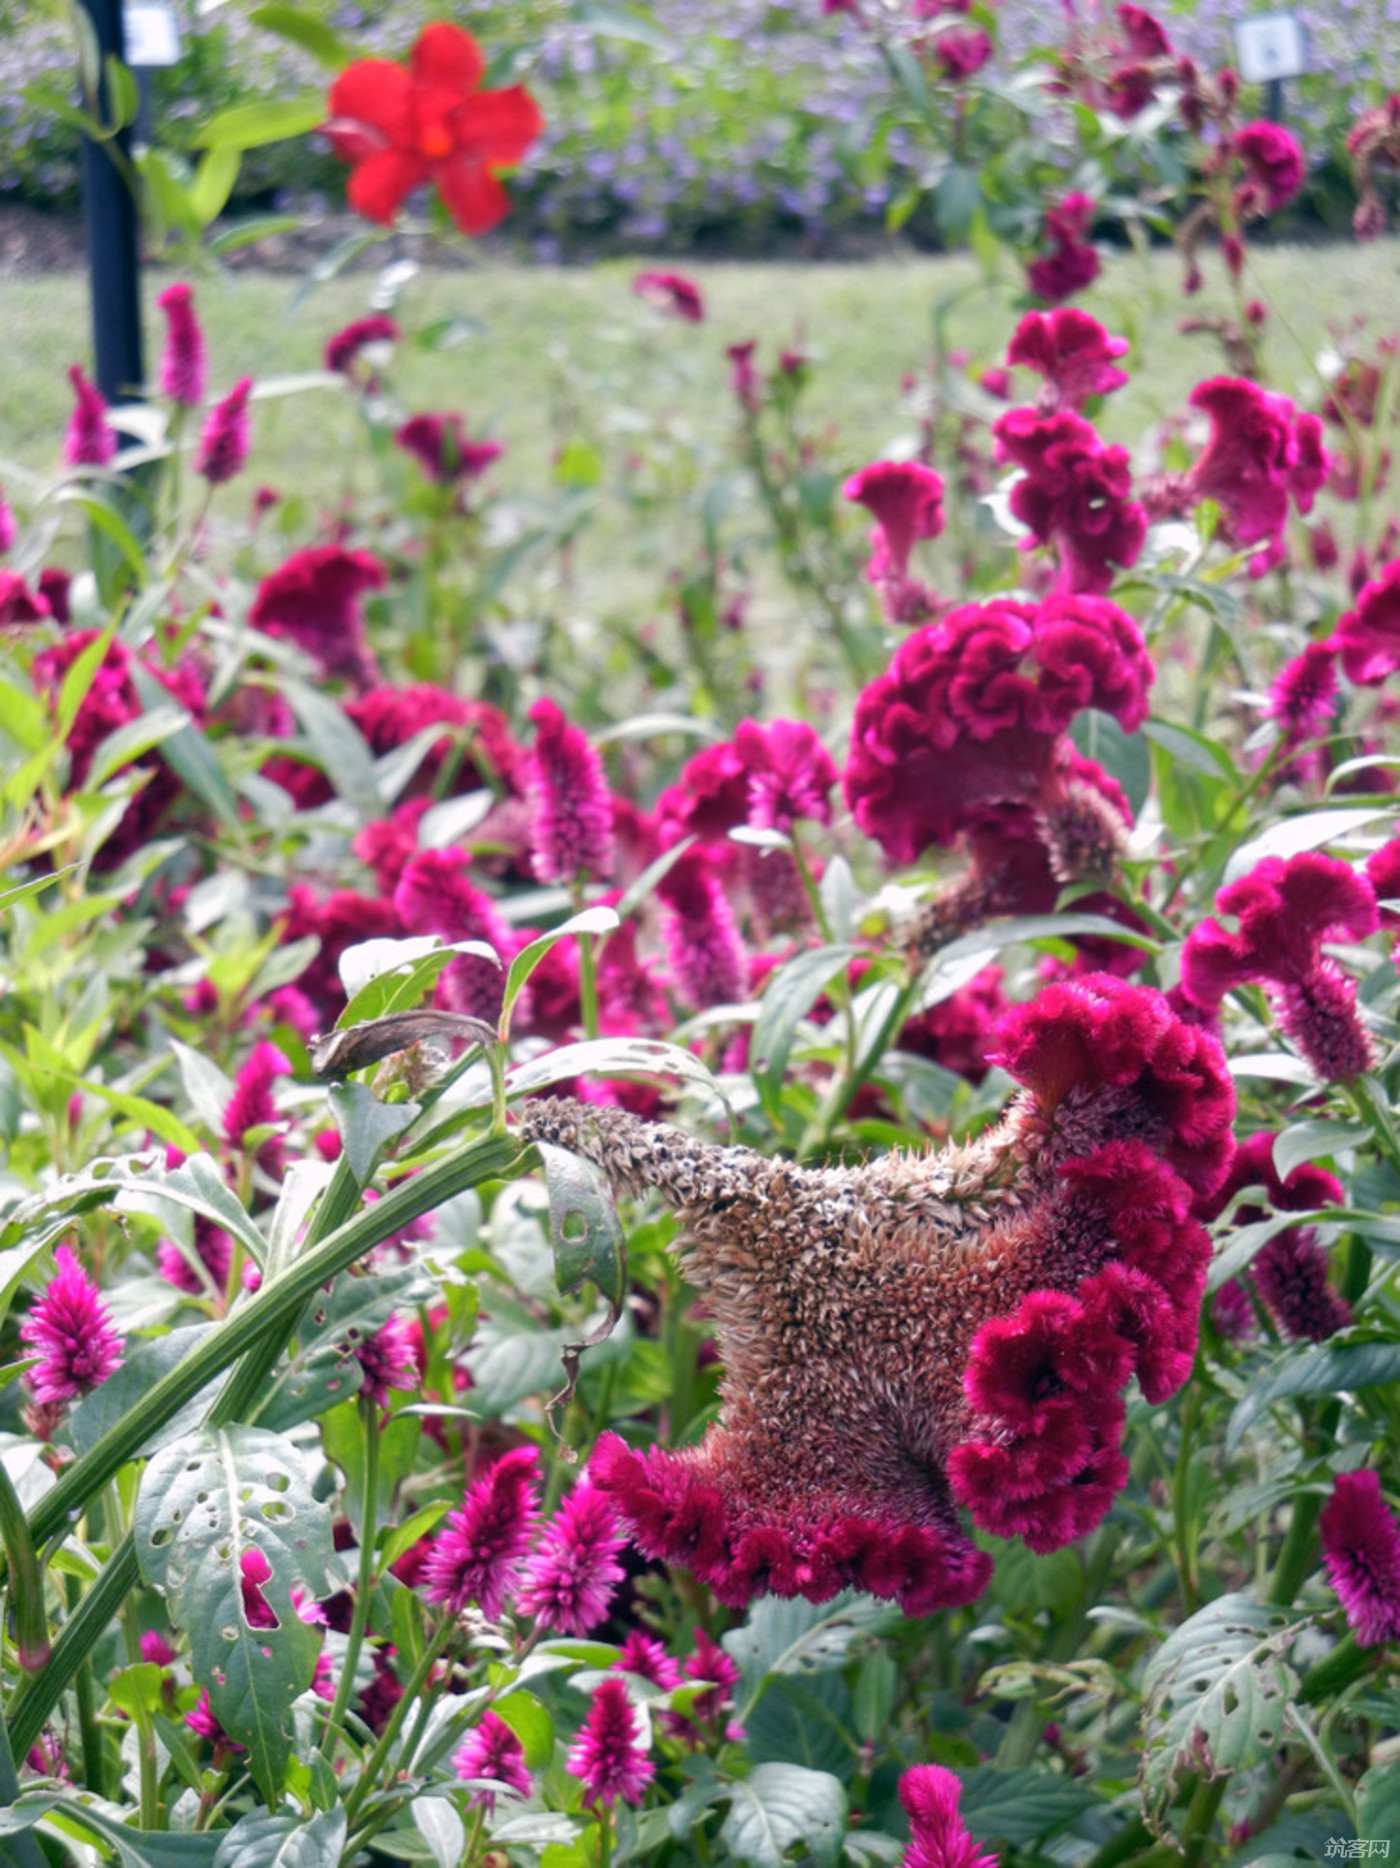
pixel 114 265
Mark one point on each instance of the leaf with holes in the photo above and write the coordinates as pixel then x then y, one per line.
pixel 205 1505
pixel 588 1244
pixel 326 1369
pixel 781 1804
pixel 1217 1690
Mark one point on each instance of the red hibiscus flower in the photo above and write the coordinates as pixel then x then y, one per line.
pixel 400 128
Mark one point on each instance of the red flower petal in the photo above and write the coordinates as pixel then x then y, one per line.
pixel 378 185
pixel 446 55
pixel 501 125
pixel 377 92
pixel 475 200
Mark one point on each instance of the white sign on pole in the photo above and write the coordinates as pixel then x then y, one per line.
pixel 151 33
pixel 1270 46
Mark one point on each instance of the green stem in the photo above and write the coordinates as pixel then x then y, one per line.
pixel 40 1693
pixel 1295 1558
pixel 432 1653
pixel 605 1838
pixel 1200 1818
pixel 1336 1671
pixel 359 1620
pixel 279 1303
pixel 26 1581
pixel 89 1732
pixel 587 986
pixel 1128 1840
pixel 1183 1548
pixel 145 1731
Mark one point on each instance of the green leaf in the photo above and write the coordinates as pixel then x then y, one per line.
pixel 1193 750
pixel 142 1367
pixel 259 1840
pixel 1293 835
pixel 609 1057
pixel 1320 1370
pixel 198 1184
pixel 782 1637
pixel 325 1370
pixel 1217 1691
pixel 205 1503
pixel 790 994
pixel 190 756
pixel 109 521
pixel 339 747
pixel 877 1686
pixel 136 1848
pixel 1018 1807
pixel 511 1358
pixel 1124 756
pixel 213 183
pixel 310 33
pixel 588 921
pixel 1026 928
pixel 532 1725
pixel 797 1724
pixel 35 885
pixel 1378 1803
pixel 1311 1140
pixel 367 1126
pixel 583 1226
pixel 249 126
pixel 621 22
pixel 781 1804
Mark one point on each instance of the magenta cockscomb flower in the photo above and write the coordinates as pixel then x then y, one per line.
pixel 314 601
pixel 7 525
pixel 703 944
pixel 1361 1546
pixel 744 380
pixel 671 292
pixel 1368 636
pixel 477 1555
pixel 223 441
pixel 571 813
pixel 571 1576
pixel 70 1330
pixel 710 1662
pixel 906 499
pixel 182 362
pixel 1076 495
pixel 492 1751
pixel 18 603
pixel 345 346
pixel 435 895
pixel 388 1361
pixel 1262 451
pixel 92 441
pixel 1071 264
pixel 1286 909
pixel 645 1656
pixel 1072 351
pixel 607 1756
pixel 442 448
pixel 1273 165
pixel 938 1837
pixel 212 1247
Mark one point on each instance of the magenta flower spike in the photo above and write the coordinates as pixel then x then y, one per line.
pixel 92 441
pixel 492 1751
pixel 571 810
pixel 182 362
pixel 1361 1547
pixel 607 1755
pixel 70 1330
pixel 223 442
pixel 388 1362
pixel 478 1553
pixel 571 1576
pixel 938 1837
pixel 703 943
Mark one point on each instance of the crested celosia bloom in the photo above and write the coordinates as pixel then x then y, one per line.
pixel 492 1751
pixel 1289 1271
pixel 743 377
pixel 1273 163
pixel 607 1756
pixel 1072 351
pixel 251 1105
pixel 477 1554
pixel 435 895
pixel 441 448
pixel 431 122
pixel 671 292
pixel 1368 637
pixel 645 1656
pixel 478 749
pixel 1383 873
pixel 928 1330
pixel 571 817
pixel 313 600
pixel 937 1835
pixel 70 1330
pixel 223 441
pixel 1071 264
pixel 571 1575
pixel 182 363
pixel 91 440
pixel 906 499
pixel 388 1361
pixel 1076 495
pixel 1261 450
pixel 1286 909
pixel 1361 1547
pixel 959 53
pixel 703 944
pixel 345 346
pixel 18 603
pixel 790 774
pixel 342 920
pixel 972 711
